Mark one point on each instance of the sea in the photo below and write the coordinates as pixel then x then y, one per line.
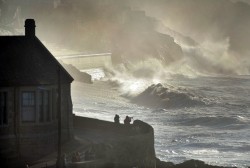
pixel 216 131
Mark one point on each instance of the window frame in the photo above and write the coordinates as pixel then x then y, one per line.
pixel 34 106
pixel 45 105
pixel 4 119
pixel 37 90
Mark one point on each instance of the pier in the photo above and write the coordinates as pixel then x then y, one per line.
pixel 86 61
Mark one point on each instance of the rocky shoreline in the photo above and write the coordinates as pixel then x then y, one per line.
pixel 129 149
pixel 187 164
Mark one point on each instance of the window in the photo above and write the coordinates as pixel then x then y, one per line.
pixel 54 103
pixel 3 109
pixel 44 106
pixel 28 107
pixel 41 113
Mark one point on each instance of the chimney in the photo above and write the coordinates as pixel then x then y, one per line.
pixel 30 28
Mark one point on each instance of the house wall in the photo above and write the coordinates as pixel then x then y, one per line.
pixel 32 140
pixel 67 113
pixel 8 140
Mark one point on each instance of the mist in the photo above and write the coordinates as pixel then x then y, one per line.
pixel 205 20
pixel 205 37
pixel 208 22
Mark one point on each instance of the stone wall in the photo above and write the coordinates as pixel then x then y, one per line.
pixel 136 150
pixel 131 145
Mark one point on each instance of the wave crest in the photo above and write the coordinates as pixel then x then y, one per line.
pixel 158 96
pixel 225 122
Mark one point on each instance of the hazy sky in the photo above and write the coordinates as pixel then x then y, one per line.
pixel 94 23
pixel 247 1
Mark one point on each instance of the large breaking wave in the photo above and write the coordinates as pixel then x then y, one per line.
pixel 159 96
pixel 146 84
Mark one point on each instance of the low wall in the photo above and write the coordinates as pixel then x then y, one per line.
pixel 133 147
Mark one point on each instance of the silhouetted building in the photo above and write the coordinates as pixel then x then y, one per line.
pixel 28 97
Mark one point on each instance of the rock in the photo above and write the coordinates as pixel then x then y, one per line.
pixel 187 164
pixel 162 164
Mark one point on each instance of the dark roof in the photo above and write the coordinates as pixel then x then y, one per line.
pixel 26 61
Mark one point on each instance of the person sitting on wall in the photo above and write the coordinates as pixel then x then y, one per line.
pixel 117 119
pixel 127 120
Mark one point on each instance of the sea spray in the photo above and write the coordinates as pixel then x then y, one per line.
pixel 132 79
pixel 145 88
pixel 141 83
pixel 209 57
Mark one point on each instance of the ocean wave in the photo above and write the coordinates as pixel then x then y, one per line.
pixel 158 96
pixel 225 122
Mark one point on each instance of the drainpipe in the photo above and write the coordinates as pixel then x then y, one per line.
pixel 59 152
pixel 17 122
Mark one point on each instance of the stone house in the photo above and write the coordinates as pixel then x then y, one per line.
pixel 29 98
